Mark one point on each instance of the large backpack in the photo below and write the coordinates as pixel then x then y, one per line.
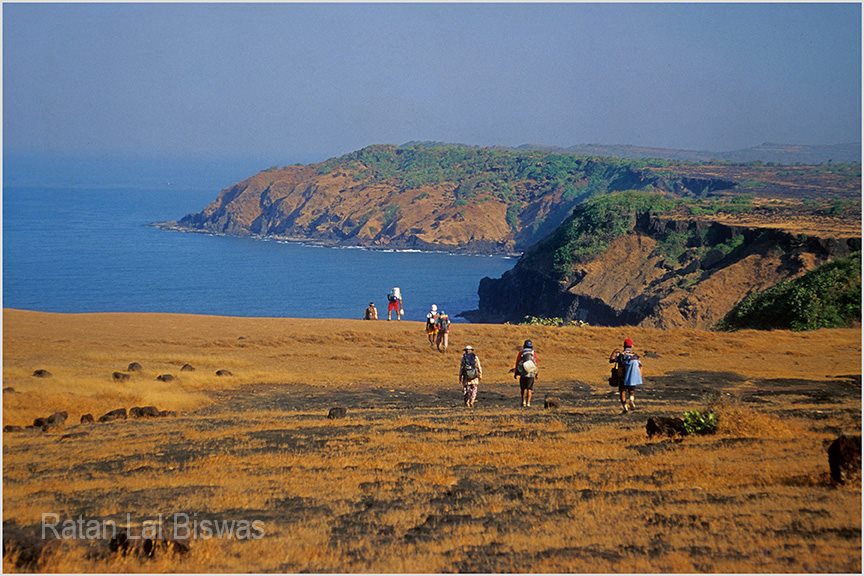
pixel 391 297
pixel 526 365
pixel 469 366
pixel 620 368
pixel 443 323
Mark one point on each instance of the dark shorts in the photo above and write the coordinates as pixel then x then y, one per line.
pixel 628 389
pixel 526 382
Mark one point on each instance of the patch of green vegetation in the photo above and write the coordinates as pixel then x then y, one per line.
pixel 493 171
pixel 827 297
pixel 420 196
pixel 555 321
pixel 730 245
pixel 599 221
pixel 698 422
pixel 737 204
pixel 673 244
pixel 512 216
pixel 391 214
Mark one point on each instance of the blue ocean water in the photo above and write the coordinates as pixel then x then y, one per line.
pixel 94 251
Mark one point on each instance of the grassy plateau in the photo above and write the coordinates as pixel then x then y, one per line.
pixel 410 480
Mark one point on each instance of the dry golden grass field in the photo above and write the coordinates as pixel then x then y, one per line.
pixel 409 480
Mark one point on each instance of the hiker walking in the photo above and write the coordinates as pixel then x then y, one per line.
pixel 431 325
pixel 526 371
pixel 470 373
pixel 443 326
pixel 394 303
pixel 628 373
pixel 371 312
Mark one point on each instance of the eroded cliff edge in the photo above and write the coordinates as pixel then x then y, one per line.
pixel 649 261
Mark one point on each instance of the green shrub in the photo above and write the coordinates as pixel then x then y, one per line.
pixel 697 422
pixel 827 297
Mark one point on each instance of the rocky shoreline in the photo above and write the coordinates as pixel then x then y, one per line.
pixel 396 246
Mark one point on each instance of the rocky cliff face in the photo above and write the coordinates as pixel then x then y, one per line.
pixel 664 272
pixel 449 197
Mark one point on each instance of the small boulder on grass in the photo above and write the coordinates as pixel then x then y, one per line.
pixel 55 420
pixel 42 373
pixel 165 378
pixel 224 373
pixel 844 459
pixel 143 412
pixel 118 414
pixel 87 419
pixel 187 368
pixel 551 403
pixel 120 376
pixel 337 412
pixel 663 426
pixel 134 367
pixel 8 390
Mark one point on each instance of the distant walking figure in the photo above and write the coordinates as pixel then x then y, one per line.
pixel 526 371
pixel 394 303
pixel 470 373
pixel 371 312
pixel 628 372
pixel 431 325
pixel 443 326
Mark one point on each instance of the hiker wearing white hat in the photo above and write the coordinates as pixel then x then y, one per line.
pixel 431 325
pixel 470 373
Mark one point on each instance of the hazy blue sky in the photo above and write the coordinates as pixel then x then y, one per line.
pixel 275 84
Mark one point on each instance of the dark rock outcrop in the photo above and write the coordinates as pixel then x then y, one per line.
pixel 187 368
pixel 165 377
pixel 224 373
pixel 118 414
pixel 12 428
pixel 143 412
pixel 663 426
pixel 120 377
pixel 844 459
pixel 167 413
pixel 87 419
pixel 337 412
pixel 42 373
pixel 56 420
pixel 8 390
pixel 134 367
pixel 551 403
pixel 131 544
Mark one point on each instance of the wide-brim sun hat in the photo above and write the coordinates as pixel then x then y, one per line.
pixel 468 347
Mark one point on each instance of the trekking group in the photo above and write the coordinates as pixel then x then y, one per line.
pixel 626 372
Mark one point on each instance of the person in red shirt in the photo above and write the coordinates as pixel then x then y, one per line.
pixel 526 371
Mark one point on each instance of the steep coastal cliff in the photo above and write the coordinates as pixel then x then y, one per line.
pixel 649 260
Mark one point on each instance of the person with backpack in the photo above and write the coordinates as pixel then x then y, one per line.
pixel 394 303
pixel 526 371
pixel 627 373
pixel 443 329
pixel 470 373
pixel 371 312
pixel 431 325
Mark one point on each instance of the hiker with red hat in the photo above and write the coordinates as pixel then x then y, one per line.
pixel 626 374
